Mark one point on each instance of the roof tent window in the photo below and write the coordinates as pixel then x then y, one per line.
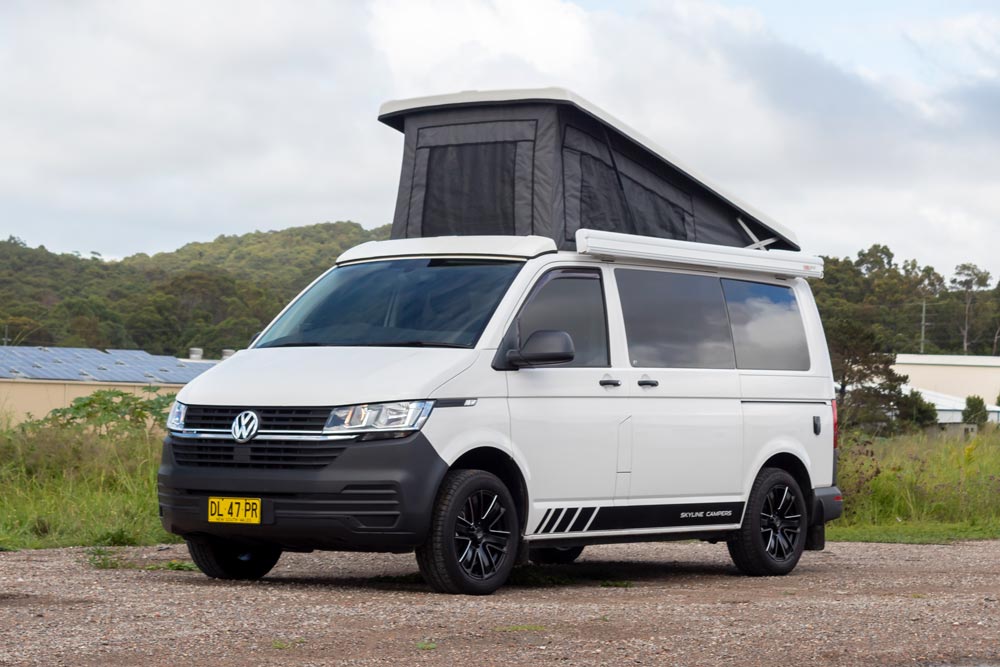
pixel 593 194
pixel 472 178
pixel 658 207
pixel 470 189
pixel 601 205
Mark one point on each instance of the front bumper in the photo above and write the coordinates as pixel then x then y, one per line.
pixel 376 496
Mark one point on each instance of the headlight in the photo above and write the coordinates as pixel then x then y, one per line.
pixel 400 418
pixel 175 420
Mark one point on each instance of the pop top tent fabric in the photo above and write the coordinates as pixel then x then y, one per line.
pixel 548 162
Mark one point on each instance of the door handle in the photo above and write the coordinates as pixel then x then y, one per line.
pixel 609 382
pixel 649 383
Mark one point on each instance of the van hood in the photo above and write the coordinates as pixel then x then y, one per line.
pixel 321 376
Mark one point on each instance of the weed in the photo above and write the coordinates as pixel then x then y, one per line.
pixel 174 565
pixel 283 644
pixel 426 645
pixel 616 584
pixel 105 559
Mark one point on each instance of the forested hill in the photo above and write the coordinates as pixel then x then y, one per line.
pixel 216 295
pixel 212 295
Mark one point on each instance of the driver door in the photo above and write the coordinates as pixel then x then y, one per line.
pixel 565 418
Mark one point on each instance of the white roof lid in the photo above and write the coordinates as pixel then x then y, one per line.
pixel 489 246
pixel 472 97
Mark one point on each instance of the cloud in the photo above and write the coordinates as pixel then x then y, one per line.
pixel 141 125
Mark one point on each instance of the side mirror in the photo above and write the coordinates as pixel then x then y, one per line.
pixel 544 347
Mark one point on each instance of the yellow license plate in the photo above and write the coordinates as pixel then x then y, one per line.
pixel 234 510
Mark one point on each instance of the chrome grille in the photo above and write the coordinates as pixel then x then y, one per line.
pixel 220 418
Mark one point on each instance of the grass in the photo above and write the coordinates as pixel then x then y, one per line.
pixel 104 559
pixel 919 489
pixel 284 644
pixel 425 645
pixel 90 491
pixel 88 481
pixel 610 583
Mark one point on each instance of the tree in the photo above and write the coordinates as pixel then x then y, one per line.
pixel 969 279
pixel 975 411
pixel 869 391
pixel 915 411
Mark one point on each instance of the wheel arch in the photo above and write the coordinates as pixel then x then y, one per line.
pixel 794 466
pixel 501 464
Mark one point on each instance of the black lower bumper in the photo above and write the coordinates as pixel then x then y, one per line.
pixel 376 496
pixel 828 504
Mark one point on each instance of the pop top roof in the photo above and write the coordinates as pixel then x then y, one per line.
pixel 394 114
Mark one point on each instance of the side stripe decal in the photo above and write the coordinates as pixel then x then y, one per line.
pixel 635 517
pixel 552 520
pixel 541 523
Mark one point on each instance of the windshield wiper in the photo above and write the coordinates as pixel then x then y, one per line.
pixel 303 344
pixel 411 343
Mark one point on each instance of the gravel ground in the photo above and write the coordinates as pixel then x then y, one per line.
pixel 648 604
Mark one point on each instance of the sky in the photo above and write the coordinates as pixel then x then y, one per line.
pixel 138 126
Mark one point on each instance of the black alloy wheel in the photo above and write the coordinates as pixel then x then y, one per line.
pixel 781 523
pixel 772 537
pixel 482 534
pixel 474 537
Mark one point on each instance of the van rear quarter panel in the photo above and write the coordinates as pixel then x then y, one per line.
pixel 779 406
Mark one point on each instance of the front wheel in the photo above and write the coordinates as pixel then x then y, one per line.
pixel 220 559
pixel 474 535
pixel 772 537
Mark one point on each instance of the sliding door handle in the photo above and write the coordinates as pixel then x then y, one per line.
pixel 610 382
pixel 649 383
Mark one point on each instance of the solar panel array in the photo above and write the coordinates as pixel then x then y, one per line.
pixel 89 365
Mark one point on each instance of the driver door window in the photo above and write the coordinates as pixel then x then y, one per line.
pixel 570 301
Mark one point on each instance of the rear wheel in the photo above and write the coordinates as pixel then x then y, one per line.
pixel 474 535
pixel 554 555
pixel 772 537
pixel 220 559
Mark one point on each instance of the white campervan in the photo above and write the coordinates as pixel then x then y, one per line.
pixel 486 399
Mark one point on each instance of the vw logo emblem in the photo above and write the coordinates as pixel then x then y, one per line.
pixel 245 426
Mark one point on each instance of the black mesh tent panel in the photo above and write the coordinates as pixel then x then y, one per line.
pixel 469 172
pixel 548 168
pixel 469 189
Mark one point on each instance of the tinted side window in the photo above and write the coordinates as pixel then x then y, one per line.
pixel 674 320
pixel 573 303
pixel 767 326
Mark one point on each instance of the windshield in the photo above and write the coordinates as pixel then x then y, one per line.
pixel 432 302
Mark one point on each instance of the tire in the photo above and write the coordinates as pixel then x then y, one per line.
pixel 228 560
pixel 474 537
pixel 554 555
pixel 773 535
